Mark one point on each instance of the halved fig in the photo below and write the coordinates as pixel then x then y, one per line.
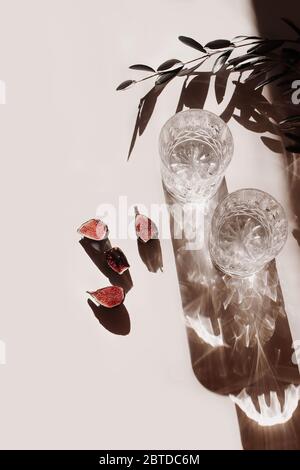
pixel 145 228
pixel 116 259
pixel 94 229
pixel 109 297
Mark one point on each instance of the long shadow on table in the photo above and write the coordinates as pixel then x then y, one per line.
pixel 239 338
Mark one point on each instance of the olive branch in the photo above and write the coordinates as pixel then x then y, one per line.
pixel 265 61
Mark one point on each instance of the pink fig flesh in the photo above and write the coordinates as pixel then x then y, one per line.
pixel 94 229
pixel 109 297
pixel 116 260
pixel 145 228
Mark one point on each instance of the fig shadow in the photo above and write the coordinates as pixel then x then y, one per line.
pixel 115 320
pixel 151 254
pixel 96 251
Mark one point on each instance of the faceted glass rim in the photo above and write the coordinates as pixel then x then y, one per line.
pixel 195 111
pixel 253 190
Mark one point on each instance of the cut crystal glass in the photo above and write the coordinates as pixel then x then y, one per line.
pixel 196 147
pixel 248 229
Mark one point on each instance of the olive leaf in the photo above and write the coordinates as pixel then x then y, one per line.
pixel 291 119
pixel 219 44
pixel 266 46
pixel 146 68
pixel 125 85
pixel 291 25
pixel 170 65
pixel 188 70
pixel 245 38
pixel 166 77
pixel 192 43
pixel 269 80
pixel 249 62
pixel 259 73
pixel 220 61
pixel 242 58
pixel 241 37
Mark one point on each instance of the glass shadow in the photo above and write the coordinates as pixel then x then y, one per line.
pixel 238 333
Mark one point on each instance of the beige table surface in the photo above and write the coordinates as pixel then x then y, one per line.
pixel 67 381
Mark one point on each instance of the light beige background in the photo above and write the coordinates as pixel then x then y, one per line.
pixel 64 135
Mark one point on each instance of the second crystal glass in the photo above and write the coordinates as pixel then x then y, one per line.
pixel 248 229
pixel 195 147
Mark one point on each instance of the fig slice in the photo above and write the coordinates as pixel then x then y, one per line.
pixel 109 297
pixel 116 260
pixel 94 229
pixel 145 228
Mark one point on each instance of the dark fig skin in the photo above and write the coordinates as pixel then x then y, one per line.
pixel 116 260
